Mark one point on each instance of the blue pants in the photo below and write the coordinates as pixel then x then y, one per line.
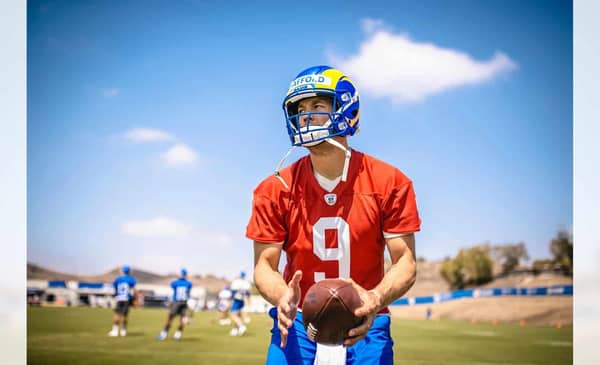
pixel 374 349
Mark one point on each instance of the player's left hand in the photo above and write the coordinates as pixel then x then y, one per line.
pixel 371 304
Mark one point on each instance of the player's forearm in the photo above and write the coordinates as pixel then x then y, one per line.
pixel 269 283
pixel 398 280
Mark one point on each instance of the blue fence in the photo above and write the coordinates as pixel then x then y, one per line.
pixel 84 285
pixel 57 284
pixel 487 292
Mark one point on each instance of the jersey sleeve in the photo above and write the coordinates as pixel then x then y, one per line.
pixel 267 220
pixel 400 213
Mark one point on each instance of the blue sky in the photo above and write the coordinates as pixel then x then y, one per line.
pixel 149 126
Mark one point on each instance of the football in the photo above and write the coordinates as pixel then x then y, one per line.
pixel 328 311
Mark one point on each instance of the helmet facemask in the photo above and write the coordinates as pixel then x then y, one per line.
pixel 305 130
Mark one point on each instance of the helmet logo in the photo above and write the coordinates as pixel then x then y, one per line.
pixel 309 81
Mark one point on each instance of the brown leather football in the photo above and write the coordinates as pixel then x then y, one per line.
pixel 328 311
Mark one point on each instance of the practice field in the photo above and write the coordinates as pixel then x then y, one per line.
pixel 79 336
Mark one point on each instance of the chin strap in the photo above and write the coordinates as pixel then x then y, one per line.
pixel 347 152
pixel 277 175
pixel 346 160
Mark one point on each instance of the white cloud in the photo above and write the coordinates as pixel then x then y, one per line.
pixel 370 25
pixel 180 154
pixel 111 92
pixel 194 259
pixel 177 155
pixel 164 245
pixel 213 239
pixel 156 227
pixel 148 135
pixel 394 66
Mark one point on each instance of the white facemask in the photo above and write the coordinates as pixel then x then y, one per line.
pixel 312 133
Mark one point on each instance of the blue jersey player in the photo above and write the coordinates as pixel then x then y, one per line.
pixel 178 307
pixel 124 293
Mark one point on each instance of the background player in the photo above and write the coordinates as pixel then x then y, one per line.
pixel 240 288
pixel 224 305
pixel 124 293
pixel 178 307
pixel 333 212
pixel 194 305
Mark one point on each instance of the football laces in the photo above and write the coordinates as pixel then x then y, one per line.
pixel 312 332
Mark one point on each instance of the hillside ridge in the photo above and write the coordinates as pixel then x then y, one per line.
pixel 212 283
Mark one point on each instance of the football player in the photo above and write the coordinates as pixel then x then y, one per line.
pixel 240 288
pixel 333 213
pixel 193 305
pixel 224 305
pixel 124 286
pixel 178 306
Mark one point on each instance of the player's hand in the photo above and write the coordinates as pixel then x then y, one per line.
pixel 371 304
pixel 288 306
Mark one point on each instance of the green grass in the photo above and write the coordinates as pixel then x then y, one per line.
pixel 79 336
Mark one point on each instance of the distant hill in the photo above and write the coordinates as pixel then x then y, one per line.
pixel 212 283
pixel 429 281
pixel 39 273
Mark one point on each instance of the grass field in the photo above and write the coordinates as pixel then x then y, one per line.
pixel 79 336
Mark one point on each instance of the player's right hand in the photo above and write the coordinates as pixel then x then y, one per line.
pixel 288 306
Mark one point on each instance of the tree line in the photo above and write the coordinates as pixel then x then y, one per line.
pixel 474 265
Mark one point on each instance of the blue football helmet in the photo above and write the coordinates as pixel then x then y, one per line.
pixel 322 81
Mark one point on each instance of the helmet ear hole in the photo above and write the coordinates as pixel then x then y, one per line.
pixel 337 105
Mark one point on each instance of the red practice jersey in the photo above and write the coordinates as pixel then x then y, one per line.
pixel 337 234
